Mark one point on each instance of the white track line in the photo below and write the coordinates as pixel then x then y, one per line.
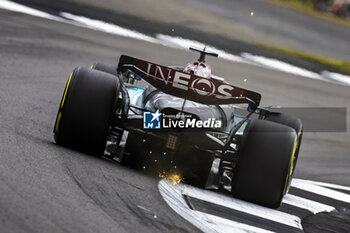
pixel 328 185
pixel 242 206
pixel 183 43
pixel 312 206
pixel 108 27
pixel 340 78
pixel 313 188
pixel 176 42
pixel 12 6
pixel 229 225
pixel 172 194
pixel 281 66
pixel 173 197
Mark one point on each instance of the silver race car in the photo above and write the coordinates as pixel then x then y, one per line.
pixel 182 123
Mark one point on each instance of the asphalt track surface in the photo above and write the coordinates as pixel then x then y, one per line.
pixel 297 30
pixel 151 27
pixel 47 188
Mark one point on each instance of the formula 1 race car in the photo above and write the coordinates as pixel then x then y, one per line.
pixel 183 123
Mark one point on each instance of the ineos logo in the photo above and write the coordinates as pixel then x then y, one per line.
pixel 203 86
pixel 183 81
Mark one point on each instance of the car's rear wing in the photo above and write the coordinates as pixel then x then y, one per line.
pixel 187 86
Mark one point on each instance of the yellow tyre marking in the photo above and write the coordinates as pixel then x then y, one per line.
pixel 91 67
pixel 294 149
pixel 63 99
pixel 300 131
pixel 58 121
pixel 296 142
pixel 290 167
pixel 293 155
pixel 65 91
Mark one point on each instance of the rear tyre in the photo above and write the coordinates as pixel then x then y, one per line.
pixel 108 68
pixel 86 110
pixel 263 171
pixel 293 122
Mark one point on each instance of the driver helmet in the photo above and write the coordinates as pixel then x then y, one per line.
pixel 198 68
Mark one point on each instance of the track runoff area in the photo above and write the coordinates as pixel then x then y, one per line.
pixel 310 206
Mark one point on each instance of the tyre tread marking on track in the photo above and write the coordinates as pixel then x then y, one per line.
pixel 173 194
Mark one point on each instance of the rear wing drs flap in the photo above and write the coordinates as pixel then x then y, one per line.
pixel 188 86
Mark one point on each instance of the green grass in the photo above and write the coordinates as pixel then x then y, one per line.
pixel 308 8
pixel 329 61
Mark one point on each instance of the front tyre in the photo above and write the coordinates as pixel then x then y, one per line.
pixel 86 109
pixel 264 169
